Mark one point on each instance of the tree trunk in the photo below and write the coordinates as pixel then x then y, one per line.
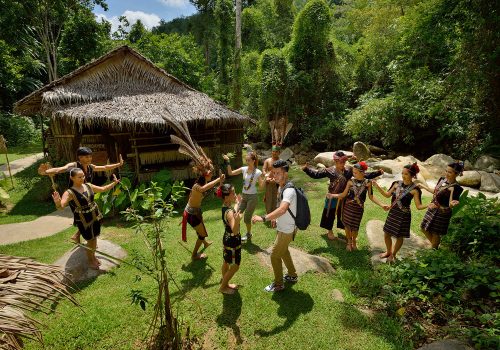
pixel 237 60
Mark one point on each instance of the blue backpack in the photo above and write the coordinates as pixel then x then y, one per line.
pixel 303 218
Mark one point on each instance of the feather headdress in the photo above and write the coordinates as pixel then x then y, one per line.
pixel 279 129
pixel 187 146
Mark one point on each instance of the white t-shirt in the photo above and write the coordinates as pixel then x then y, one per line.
pixel 246 180
pixel 285 223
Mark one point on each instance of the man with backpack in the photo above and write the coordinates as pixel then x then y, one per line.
pixel 285 216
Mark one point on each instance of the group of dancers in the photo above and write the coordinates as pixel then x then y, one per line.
pixel 347 191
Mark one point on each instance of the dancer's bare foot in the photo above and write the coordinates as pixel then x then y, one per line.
pixel 226 290
pixel 199 256
pixel 354 246
pixel 76 238
pixel 233 286
pixel 94 266
pixel 207 244
pixel 348 247
pixel 384 255
pixel 331 236
pixel 390 259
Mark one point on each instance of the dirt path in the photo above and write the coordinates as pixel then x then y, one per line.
pixel 20 164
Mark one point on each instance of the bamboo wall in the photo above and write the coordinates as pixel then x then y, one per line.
pixel 145 153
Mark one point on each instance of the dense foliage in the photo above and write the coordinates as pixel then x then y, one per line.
pixel 393 73
pixel 454 290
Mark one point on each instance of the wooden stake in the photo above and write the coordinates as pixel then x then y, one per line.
pixel 3 148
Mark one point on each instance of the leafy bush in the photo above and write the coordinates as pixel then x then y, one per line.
pixel 445 292
pixel 474 231
pixel 19 131
pixel 125 196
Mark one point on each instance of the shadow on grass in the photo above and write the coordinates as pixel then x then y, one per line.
pixel 354 260
pixel 378 324
pixel 36 197
pixel 292 304
pixel 231 311
pixel 201 274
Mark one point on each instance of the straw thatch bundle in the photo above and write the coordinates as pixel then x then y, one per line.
pixel 123 89
pixel 24 285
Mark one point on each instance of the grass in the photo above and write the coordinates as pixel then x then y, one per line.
pixel 17 152
pixel 304 316
pixel 29 198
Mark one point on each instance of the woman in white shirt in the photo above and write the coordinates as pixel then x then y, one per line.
pixel 251 175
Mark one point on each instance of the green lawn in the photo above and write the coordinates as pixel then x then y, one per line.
pixel 304 316
pixel 29 198
pixel 17 152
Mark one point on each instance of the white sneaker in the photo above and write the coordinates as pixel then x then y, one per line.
pixel 246 237
pixel 273 288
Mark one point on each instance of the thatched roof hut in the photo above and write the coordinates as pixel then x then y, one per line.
pixel 115 104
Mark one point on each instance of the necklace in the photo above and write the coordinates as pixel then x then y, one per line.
pixel 251 180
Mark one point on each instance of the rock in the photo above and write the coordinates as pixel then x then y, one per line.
pixel 468 165
pixel 361 151
pixel 487 163
pixel 367 312
pixel 470 178
pixel 261 145
pixel 372 160
pixel 446 344
pixel 425 172
pixel 376 150
pixel 434 171
pixel 263 155
pixel 286 154
pixel 296 148
pixel 440 160
pixel 302 261
pixel 375 234
pixel 337 295
pixel 388 166
pixel 76 266
pixel 490 182
pixel 408 160
pixel 326 158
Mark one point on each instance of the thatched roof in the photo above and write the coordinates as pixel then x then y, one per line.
pixel 123 88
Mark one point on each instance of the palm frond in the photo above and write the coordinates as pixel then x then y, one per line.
pixel 25 285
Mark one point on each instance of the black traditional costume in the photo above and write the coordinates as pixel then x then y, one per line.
pixel 338 181
pixel 231 241
pixel 87 216
pixel 192 216
pixel 398 219
pixel 437 220
pixel 353 208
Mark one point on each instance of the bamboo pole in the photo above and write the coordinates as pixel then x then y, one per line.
pixel 3 148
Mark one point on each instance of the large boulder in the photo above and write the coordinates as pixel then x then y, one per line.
pixel 76 266
pixel 302 261
pixel 389 166
pixel 446 344
pixel 490 182
pixel 286 154
pixel 468 165
pixel 326 158
pixel 439 160
pixel 487 163
pixel 361 151
pixel 408 160
pixel 470 179
pixel 376 150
